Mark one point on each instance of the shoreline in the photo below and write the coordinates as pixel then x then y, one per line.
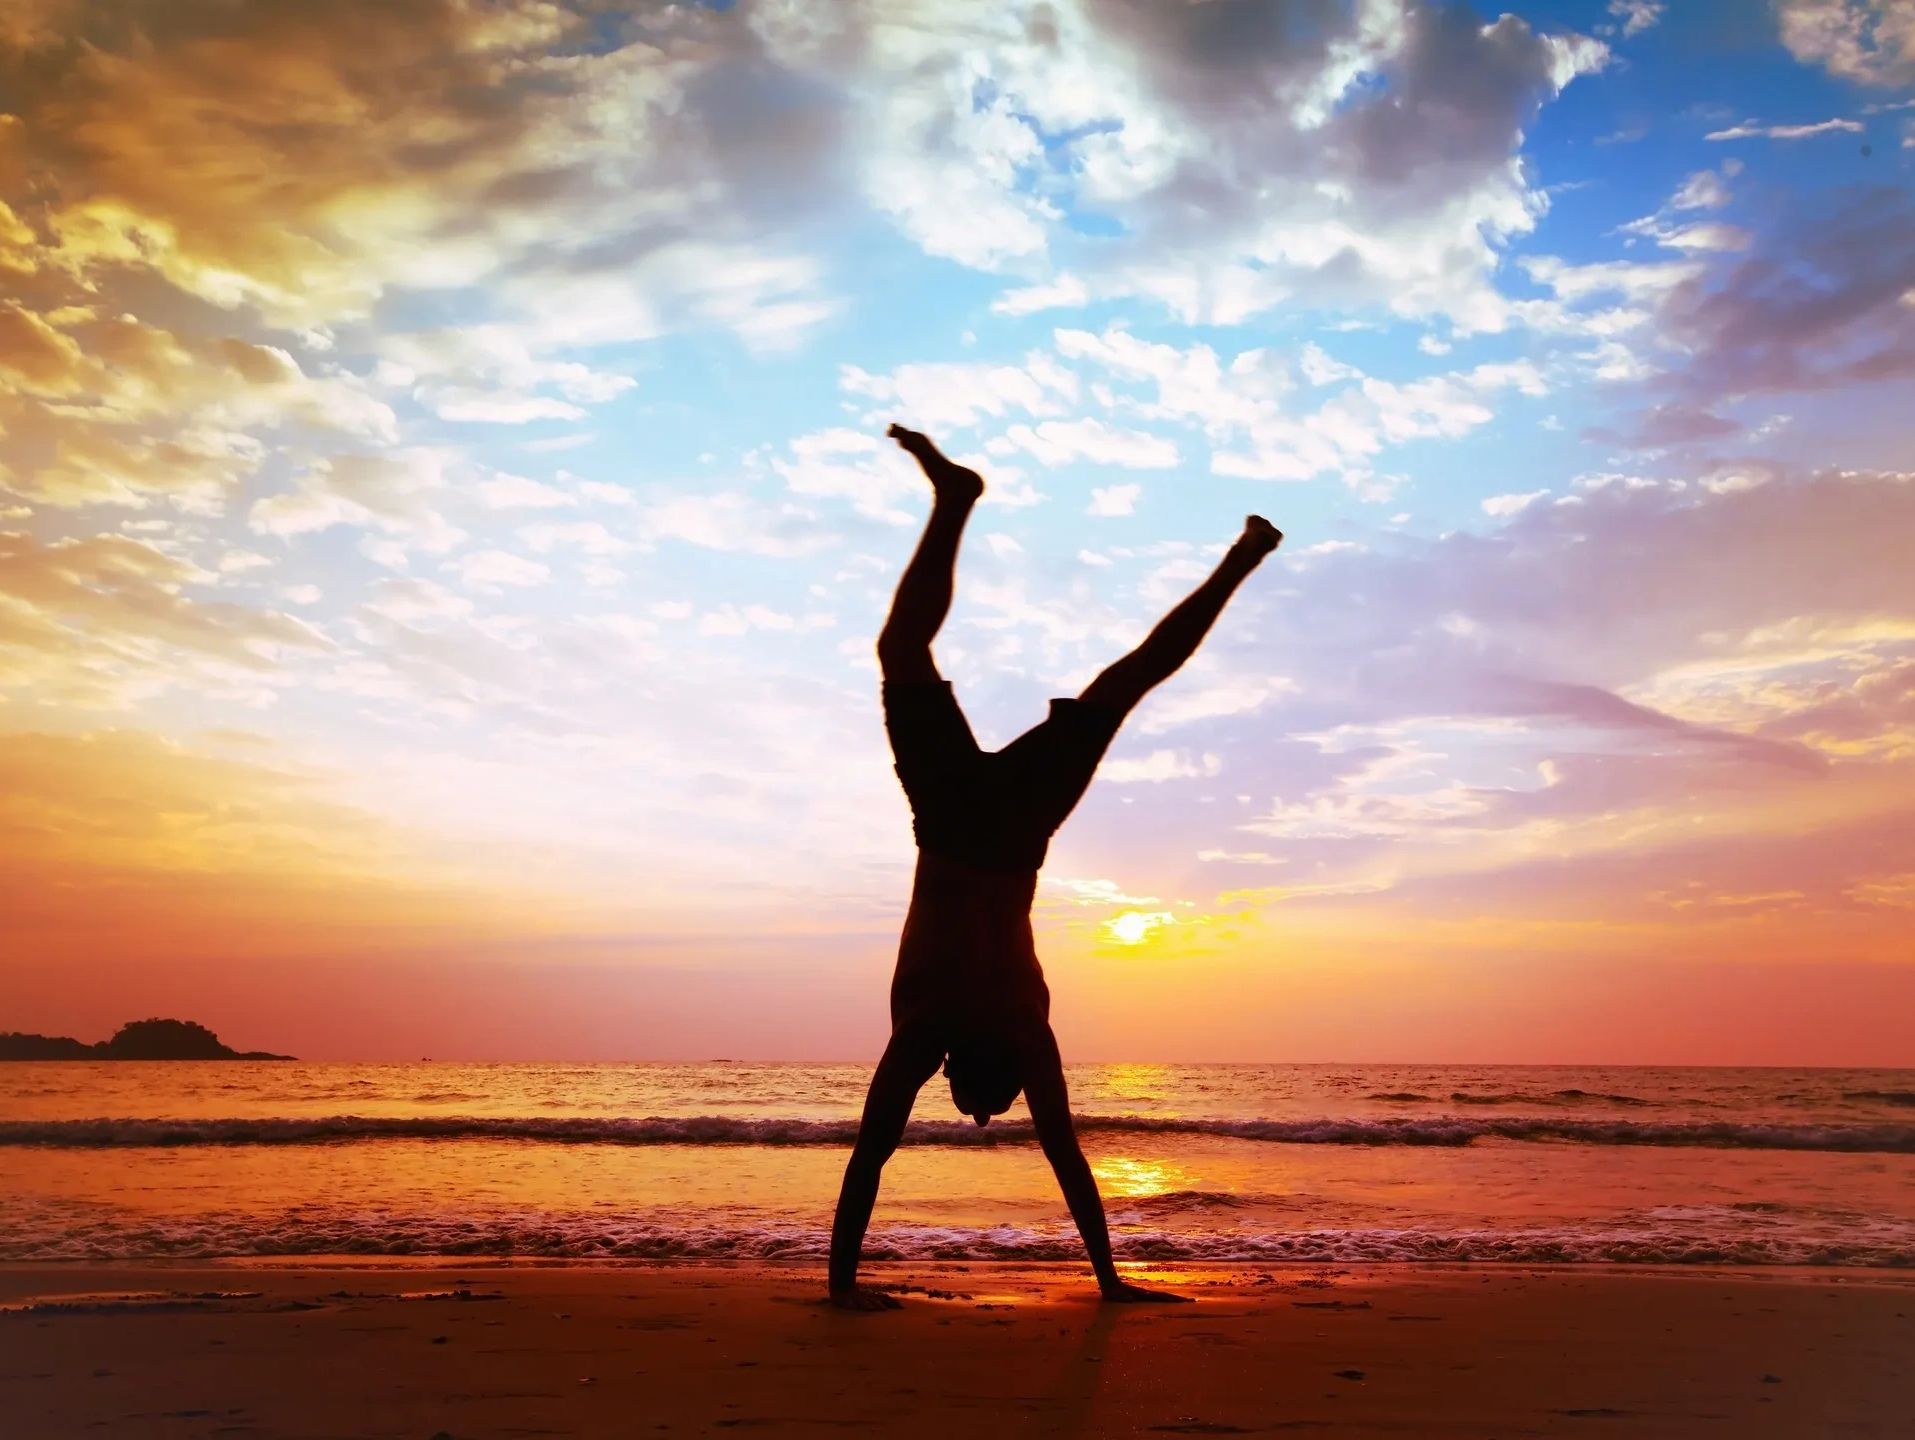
pixel 438 1346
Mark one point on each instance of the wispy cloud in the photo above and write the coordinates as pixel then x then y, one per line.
pixel 1753 130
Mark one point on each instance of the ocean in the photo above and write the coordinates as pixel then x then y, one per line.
pixel 1199 1164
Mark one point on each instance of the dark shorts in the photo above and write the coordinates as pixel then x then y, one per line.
pixel 997 809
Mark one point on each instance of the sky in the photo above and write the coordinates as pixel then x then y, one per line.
pixel 445 516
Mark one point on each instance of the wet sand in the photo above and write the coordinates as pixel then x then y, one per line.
pixel 481 1350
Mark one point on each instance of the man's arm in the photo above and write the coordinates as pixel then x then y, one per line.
pixel 1049 1099
pixel 909 1060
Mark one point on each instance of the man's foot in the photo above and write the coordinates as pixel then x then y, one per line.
pixel 862 1297
pixel 1259 537
pixel 949 479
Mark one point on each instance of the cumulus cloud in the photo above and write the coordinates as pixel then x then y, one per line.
pixel 1247 406
pixel 954 395
pixel 1871 41
pixel 1250 155
pixel 1065 442
pixel 875 477
pixel 1500 506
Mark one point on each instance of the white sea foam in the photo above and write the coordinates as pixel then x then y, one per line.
pixel 1444 1130
pixel 1672 1236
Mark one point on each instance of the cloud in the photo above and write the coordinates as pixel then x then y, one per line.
pixel 874 476
pixel 196 470
pixel 1673 226
pixel 1636 15
pixel 1065 292
pixel 1818 301
pixel 955 395
pixel 1706 189
pixel 504 491
pixel 1245 156
pixel 1870 41
pixel 1356 425
pixel 735 521
pixel 1502 506
pixel 396 494
pixel 98 621
pixel 1188 384
pixel 770 301
pixel 110 410
pixel 1666 425
pixel 1113 500
pixel 130 857
pixel 1810 301
pixel 1636 281
pixel 410 601
pixel 1064 442
pixel 1197 698
pixel 492 373
pixel 490 571
pixel 1245 405
pixel 36 357
pixel 272 158
pixel 1752 130
pixel 1620 679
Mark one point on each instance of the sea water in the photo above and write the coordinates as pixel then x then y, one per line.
pixel 1197 1163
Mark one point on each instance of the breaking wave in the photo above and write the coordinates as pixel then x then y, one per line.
pixel 1680 1239
pixel 1882 1097
pixel 1884 1138
pixel 1553 1097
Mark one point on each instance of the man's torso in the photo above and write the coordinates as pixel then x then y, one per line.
pixel 967 956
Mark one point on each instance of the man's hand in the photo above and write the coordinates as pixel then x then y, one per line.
pixel 863 1297
pixel 1121 1292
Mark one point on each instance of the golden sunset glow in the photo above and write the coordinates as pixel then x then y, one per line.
pixel 1134 927
pixel 445 518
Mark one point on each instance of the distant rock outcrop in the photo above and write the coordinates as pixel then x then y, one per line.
pixel 136 1040
pixel 15 1046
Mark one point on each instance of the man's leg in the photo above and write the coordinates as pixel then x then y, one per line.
pixel 923 597
pixel 912 1057
pixel 1177 635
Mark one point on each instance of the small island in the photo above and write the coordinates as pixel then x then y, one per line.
pixel 136 1040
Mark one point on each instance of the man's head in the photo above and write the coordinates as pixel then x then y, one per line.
pixel 985 1074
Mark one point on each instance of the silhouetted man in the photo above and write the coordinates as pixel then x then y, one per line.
pixel 968 992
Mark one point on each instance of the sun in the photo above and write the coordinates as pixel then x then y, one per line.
pixel 1134 927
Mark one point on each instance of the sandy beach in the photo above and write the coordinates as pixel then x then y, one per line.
pixel 489 1350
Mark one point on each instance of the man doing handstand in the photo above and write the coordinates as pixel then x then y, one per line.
pixel 968 992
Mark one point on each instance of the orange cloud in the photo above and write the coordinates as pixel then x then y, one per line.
pixel 121 844
pixel 99 620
